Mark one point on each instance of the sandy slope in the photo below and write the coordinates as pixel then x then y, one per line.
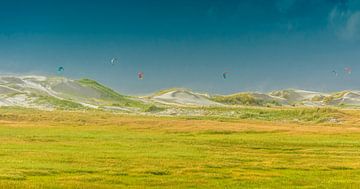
pixel 183 97
pixel 24 90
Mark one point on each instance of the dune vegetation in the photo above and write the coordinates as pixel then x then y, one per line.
pixel 110 96
pixel 244 99
pixel 96 149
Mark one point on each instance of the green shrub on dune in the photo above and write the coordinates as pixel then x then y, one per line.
pixel 112 96
pixel 58 103
pixel 243 99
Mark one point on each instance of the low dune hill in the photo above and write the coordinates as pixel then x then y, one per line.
pixel 183 97
pixel 44 92
pixel 344 98
pixel 59 92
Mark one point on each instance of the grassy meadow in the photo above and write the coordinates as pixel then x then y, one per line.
pixel 93 149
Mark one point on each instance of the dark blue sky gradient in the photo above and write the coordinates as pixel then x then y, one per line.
pixel 263 44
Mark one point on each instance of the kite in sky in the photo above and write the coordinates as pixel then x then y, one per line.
pixel 114 61
pixel 60 69
pixel 348 70
pixel 225 75
pixel 140 75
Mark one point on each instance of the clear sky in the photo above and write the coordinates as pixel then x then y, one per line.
pixel 263 44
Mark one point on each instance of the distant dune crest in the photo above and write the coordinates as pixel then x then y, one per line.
pixel 59 92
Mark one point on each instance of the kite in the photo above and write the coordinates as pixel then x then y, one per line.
pixel 140 75
pixel 60 69
pixel 348 70
pixel 225 75
pixel 113 61
pixel 336 74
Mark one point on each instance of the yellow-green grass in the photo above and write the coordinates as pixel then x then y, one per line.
pixel 61 149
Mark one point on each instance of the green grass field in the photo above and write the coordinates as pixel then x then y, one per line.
pixel 92 149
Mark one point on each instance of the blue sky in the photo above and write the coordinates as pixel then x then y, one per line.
pixel 263 44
